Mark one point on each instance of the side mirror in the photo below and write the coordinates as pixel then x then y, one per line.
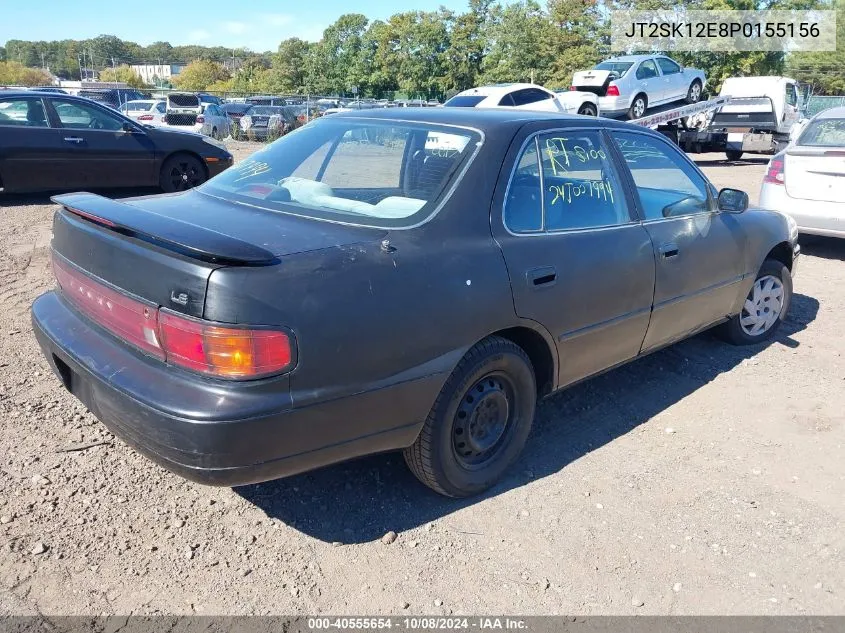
pixel 128 128
pixel 732 200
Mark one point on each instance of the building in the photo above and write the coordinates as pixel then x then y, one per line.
pixel 156 73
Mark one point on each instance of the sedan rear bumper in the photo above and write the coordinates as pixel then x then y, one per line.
pixel 814 217
pixel 220 432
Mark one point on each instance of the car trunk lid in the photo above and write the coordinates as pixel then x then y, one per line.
pixel 163 249
pixel 182 109
pixel 815 174
pixel 595 81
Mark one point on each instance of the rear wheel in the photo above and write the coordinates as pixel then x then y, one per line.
pixel 694 92
pixel 638 107
pixel 479 422
pixel 181 172
pixel 765 306
pixel 733 154
pixel 588 109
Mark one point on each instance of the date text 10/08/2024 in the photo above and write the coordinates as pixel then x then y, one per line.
pixel 421 623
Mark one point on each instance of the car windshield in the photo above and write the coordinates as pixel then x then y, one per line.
pixel 357 171
pixel 466 101
pixel 619 68
pixel 824 133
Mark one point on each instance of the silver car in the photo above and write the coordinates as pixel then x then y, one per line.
pixel 632 84
pixel 807 180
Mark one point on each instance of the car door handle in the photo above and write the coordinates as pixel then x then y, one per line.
pixel 544 276
pixel 669 250
pixel 73 139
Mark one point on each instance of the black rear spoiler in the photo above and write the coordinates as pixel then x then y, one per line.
pixel 189 239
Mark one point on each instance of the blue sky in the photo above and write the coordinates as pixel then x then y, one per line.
pixel 255 24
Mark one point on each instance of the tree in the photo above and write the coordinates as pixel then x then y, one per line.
pixel 336 54
pixel 518 49
pixel 578 39
pixel 123 74
pixel 199 75
pixel 16 74
pixel 823 71
pixel 467 43
pixel 288 71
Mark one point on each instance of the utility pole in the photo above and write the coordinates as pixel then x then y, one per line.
pixel 43 65
pixel 112 63
pixel 79 61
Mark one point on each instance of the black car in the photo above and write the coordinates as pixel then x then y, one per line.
pixel 112 97
pixel 262 122
pixel 397 279
pixel 51 142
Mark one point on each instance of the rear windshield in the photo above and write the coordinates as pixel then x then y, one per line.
pixel 824 133
pixel 620 68
pixel 372 173
pixel 102 97
pixel 465 102
pixel 184 101
pixel 138 106
pixel 266 110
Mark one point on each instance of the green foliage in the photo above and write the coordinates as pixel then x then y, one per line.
pixel 16 74
pixel 199 75
pixel 123 74
pixel 825 72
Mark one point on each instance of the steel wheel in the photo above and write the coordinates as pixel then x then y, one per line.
pixel 762 306
pixel 483 421
pixel 638 107
pixel 588 109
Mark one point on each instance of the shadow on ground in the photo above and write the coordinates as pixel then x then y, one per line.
pixel 359 501
pixel 818 246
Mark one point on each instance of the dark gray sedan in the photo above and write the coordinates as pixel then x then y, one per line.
pixel 397 279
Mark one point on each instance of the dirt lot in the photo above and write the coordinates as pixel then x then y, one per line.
pixel 703 479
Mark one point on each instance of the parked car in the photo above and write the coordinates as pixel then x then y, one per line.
pixel 632 84
pixel 526 97
pixel 149 111
pixel 185 110
pixel 267 101
pixel 262 122
pixel 235 111
pixel 347 290
pixel 207 98
pixel 807 180
pixel 112 97
pixel 59 142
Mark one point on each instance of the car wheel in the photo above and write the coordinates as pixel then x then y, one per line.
pixel 733 154
pixel 588 109
pixel 694 92
pixel 479 422
pixel 638 107
pixel 181 172
pixel 765 306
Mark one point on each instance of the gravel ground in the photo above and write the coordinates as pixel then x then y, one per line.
pixel 703 479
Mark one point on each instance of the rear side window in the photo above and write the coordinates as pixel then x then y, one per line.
pixel 469 101
pixel 507 100
pixel 667 183
pixel 22 112
pixel 667 66
pixel 646 70
pixel 529 96
pixel 566 178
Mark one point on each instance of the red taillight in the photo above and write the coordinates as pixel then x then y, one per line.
pixel 612 91
pixel 774 172
pixel 223 351
pixel 131 320
pixel 145 117
pixel 200 119
pixel 573 88
pixel 201 346
pixel 301 118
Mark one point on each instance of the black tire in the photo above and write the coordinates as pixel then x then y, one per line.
pixel 638 107
pixel 588 109
pixel 733 154
pixel 181 172
pixel 694 92
pixel 733 330
pixel 479 423
pixel 214 134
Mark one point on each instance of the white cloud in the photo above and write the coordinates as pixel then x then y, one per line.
pixel 198 35
pixel 235 28
pixel 277 19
